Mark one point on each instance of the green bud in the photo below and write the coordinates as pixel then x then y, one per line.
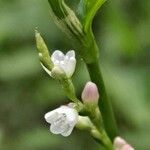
pixel 66 19
pixel 43 51
pixel 77 27
pixel 84 123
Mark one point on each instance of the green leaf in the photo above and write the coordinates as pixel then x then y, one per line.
pixel 87 10
pixel 56 8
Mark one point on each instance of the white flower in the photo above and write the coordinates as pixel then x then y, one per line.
pixel 66 62
pixel 121 144
pixel 62 120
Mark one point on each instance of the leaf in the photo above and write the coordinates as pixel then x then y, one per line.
pixel 87 10
pixel 56 8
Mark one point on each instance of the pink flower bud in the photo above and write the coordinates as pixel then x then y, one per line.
pixel 127 147
pixel 90 93
pixel 121 144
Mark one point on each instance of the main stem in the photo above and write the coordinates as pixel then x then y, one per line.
pixel 104 103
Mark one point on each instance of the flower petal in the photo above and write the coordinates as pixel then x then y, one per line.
pixel 51 116
pixel 57 56
pixel 58 128
pixel 68 131
pixel 70 66
pixel 70 54
pixel 55 129
pixel 62 120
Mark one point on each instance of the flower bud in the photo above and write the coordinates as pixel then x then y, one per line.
pixel 84 123
pixel 90 93
pixel 121 144
pixel 43 52
pixel 127 147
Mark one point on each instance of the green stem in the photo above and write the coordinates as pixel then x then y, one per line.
pixel 104 103
pixel 102 137
pixel 99 131
pixel 106 141
pixel 69 89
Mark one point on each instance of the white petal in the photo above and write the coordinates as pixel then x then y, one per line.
pixel 51 116
pixel 71 67
pixel 58 128
pixel 56 62
pixel 62 119
pixel 55 129
pixel 70 54
pixel 62 109
pixel 62 62
pixel 67 132
pixel 57 55
pixel 72 114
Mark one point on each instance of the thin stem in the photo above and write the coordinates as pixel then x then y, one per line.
pixel 104 103
pixel 102 137
pixel 106 141
pixel 69 89
pixel 96 118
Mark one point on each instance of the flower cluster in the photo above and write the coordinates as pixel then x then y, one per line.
pixel 63 119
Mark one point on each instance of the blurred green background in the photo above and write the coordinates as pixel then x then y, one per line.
pixel 122 29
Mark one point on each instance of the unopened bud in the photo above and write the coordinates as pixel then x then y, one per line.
pixel 43 51
pixel 84 123
pixel 90 93
pixel 121 144
pixel 127 147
